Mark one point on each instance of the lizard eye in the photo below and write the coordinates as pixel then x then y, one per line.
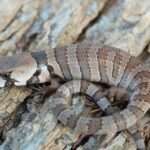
pixel 51 69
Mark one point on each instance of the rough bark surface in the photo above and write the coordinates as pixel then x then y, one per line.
pixel 26 122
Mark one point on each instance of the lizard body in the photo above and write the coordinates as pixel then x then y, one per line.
pixel 89 62
pixel 60 104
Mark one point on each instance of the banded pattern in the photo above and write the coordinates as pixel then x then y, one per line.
pixel 91 62
pixel 113 67
pixel 73 62
pixel 53 61
pixel 68 116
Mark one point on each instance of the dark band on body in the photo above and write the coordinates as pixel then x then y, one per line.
pixel 102 57
pixel 40 57
pixel 131 65
pixel 61 58
pixel 82 58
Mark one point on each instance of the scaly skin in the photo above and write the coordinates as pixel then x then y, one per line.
pixel 110 66
pixel 91 62
pixel 60 101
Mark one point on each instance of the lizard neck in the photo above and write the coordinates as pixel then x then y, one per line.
pixel 40 57
pixel 53 64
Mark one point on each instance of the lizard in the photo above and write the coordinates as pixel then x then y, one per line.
pixel 91 62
